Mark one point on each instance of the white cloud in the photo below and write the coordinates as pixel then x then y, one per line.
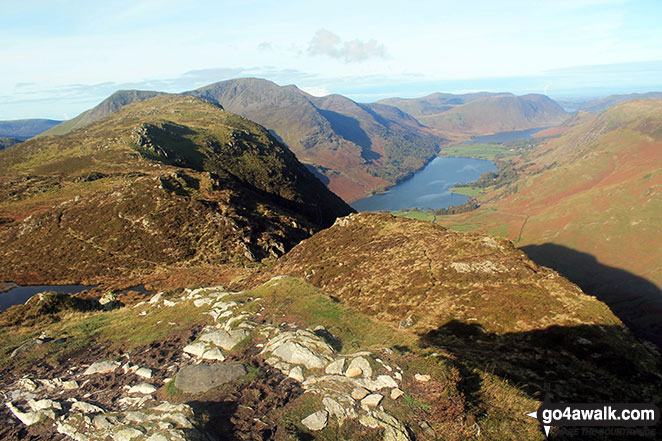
pixel 316 91
pixel 327 43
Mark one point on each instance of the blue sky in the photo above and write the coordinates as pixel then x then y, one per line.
pixel 60 57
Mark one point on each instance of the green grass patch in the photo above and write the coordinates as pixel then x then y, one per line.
pixel 171 390
pixel 480 151
pixel 293 299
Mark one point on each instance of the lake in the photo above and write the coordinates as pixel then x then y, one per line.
pixel 18 295
pixel 498 138
pixel 430 188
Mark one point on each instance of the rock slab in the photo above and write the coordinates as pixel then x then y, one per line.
pixel 199 378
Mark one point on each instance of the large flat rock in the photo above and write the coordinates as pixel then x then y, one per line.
pixel 203 377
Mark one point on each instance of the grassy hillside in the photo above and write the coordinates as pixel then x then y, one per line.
pixel 588 205
pixel 435 103
pixel 356 148
pixel 474 299
pixel 503 113
pixel 111 104
pixel 167 182
pixel 599 106
pixel 25 128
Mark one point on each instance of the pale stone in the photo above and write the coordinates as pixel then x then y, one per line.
pixel 142 388
pixel 127 434
pixel 422 378
pixel 224 339
pixel 69 384
pixel 359 393
pixel 353 372
pixel 336 367
pixel 201 302
pixel 44 405
pixel 84 407
pixel 136 417
pixel 102 367
pixel 296 353
pixel 213 354
pixel 102 422
pixel 296 373
pixel 197 348
pixel 381 382
pixel 362 364
pixel 394 430
pixel 27 418
pixel 396 393
pixel 144 372
pixel 156 298
pixel 316 421
pixel 372 400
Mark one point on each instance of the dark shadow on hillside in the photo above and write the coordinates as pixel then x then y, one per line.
pixel 635 300
pixel 311 168
pixel 580 364
pixel 351 130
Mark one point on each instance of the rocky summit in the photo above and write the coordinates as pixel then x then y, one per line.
pixel 309 355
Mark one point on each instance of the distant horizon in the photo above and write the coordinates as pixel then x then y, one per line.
pixel 409 91
pixel 64 57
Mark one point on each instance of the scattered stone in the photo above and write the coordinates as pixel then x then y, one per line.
pixel 422 378
pixel 213 354
pixel 36 406
pixel 126 434
pixel 224 339
pixel 197 348
pixel 203 377
pixel 382 382
pixel 103 422
pixel 144 372
pixel 359 393
pixel 70 384
pixel 360 365
pixel 169 303
pixel 27 418
pixel 156 298
pixel 109 301
pixel 70 431
pixel 84 407
pixel 394 430
pixel 25 347
pixel 102 367
pixel 396 393
pixel 296 373
pixel 142 388
pixel 300 347
pixel 372 400
pixel 316 421
pixel 335 408
pixel 353 372
pixel 336 367
pixel 203 301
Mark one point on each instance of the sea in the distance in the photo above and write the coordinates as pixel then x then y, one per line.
pixel 430 188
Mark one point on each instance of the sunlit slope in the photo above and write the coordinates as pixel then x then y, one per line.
pixel 355 148
pixel 173 180
pixel 473 298
pixel 591 207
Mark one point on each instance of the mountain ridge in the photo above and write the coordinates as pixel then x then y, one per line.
pixel 233 193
